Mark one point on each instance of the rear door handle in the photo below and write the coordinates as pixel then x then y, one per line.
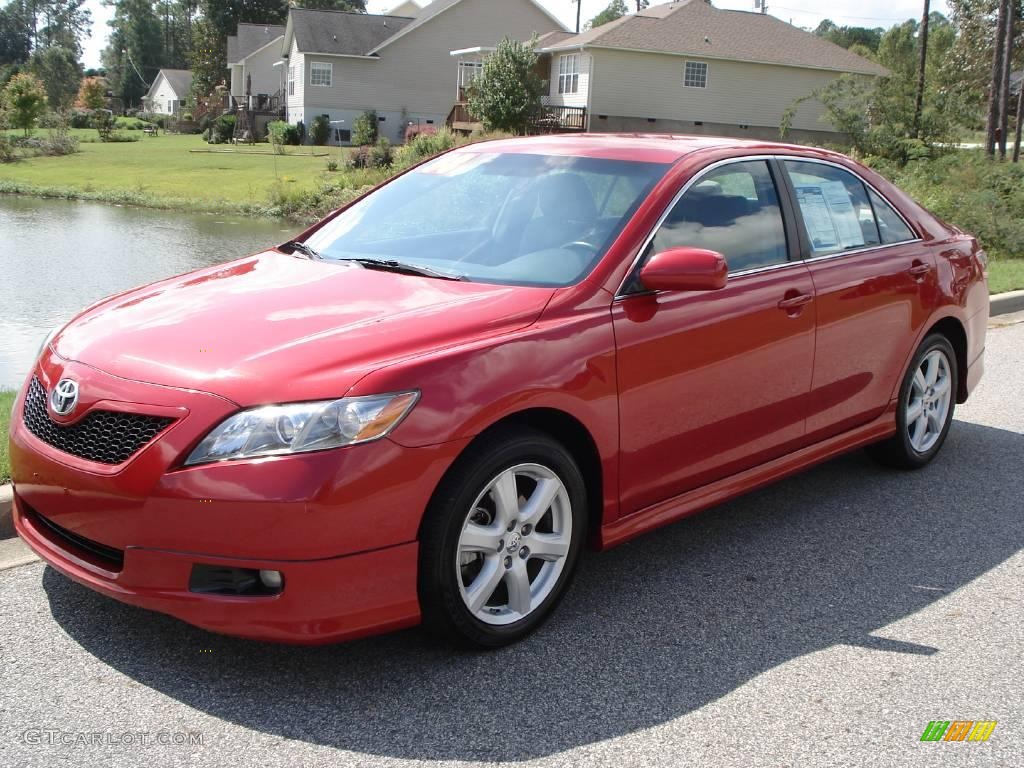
pixel 920 269
pixel 794 302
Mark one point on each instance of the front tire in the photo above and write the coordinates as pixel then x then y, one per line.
pixel 501 538
pixel 926 403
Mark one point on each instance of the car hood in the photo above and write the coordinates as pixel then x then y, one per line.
pixel 275 328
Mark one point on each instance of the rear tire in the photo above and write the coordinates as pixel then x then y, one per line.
pixel 924 412
pixel 500 539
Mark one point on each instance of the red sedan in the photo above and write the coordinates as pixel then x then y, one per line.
pixel 423 407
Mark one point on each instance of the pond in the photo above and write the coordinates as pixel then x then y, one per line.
pixel 57 256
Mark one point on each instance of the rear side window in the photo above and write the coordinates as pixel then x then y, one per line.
pixel 891 225
pixel 835 209
pixel 733 210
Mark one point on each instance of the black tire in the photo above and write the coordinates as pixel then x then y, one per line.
pixel 445 612
pixel 898 451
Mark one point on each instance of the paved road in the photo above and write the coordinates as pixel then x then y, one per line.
pixel 823 621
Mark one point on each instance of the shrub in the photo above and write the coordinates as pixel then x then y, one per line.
pixel 121 138
pixel 222 130
pixel 332 165
pixel 187 117
pixel 80 118
pixel 283 134
pixel 364 129
pixel 412 131
pixel 104 124
pixel 7 153
pixel 423 146
pixel 320 130
pixel 300 128
pixel 381 154
pixel 360 158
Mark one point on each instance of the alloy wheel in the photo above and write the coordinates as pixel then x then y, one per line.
pixel 928 401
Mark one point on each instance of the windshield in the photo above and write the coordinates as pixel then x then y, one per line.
pixel 514 219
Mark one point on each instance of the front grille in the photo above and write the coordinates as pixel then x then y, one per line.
pixel 113 558
pixel 108 437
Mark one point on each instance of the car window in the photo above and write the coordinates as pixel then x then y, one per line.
pixel 891 225
pixel 733 210
pixel 834 206
pixel 509 218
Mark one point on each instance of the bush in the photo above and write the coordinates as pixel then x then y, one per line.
pixel 412 131
pixel 7 153
pixel 80 118
pixel 121 138
pixel 364 129
pixel 283 134
pixel 222 130
pixel 300 127
pixel 423 146
pixel 320 130
pixel 187 117
pixel 332 165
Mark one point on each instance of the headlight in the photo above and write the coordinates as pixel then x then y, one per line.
pixel 47 340
pixel 300 427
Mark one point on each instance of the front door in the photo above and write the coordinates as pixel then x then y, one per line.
pixel 712 383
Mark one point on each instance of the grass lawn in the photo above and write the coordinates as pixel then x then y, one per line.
pixel 1005 275
pixel 160 170
pixel 6 403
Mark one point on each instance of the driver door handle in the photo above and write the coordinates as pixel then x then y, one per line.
pixel 795 302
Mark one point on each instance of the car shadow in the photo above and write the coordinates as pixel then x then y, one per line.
pixel 650 631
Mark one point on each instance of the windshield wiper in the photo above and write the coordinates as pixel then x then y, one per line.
pixel 409 269
pixel 305 250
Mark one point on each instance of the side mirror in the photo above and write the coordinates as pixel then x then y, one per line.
pixel 685 269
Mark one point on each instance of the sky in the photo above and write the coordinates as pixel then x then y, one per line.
pixel 802 13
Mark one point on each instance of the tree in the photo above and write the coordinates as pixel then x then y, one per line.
pixel 60 72
pixel 847 37
pixel 24 101
pixel 616 10
pixel 507 93
pixel 15 37
pixel 92 94
pixel 134 52
pixel 996 82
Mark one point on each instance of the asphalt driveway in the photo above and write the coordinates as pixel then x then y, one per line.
pixel 823 621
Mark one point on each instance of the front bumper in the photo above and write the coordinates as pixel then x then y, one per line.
pixel 341 525
pixel 323 601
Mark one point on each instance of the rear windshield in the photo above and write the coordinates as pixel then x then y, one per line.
pixel 516 219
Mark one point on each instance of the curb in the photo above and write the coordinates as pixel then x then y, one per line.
pixel 1005 303
pixel 6 511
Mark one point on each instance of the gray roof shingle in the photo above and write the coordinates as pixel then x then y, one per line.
pixel 179 79
pixel 342 33
pixel 249 39
pixel 697 28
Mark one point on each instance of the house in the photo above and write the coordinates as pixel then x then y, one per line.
pixel 408 8
pixel 688 67
pixel 168 92
pixel 255 61
pixel 343 64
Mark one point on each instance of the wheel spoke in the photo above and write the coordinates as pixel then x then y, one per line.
pixel 548 546
pixel 919 383
pixel 483 586
pixel 942 387
pixel 919 430
pixel 517 581
pixel 934 426
pixel 540 501
pixel 477 538
pixel 506 498
pixel 932 361
pixel 914 411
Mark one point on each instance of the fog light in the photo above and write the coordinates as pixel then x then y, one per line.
pixel 272 579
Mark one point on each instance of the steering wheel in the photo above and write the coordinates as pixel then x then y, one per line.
pixel 583 244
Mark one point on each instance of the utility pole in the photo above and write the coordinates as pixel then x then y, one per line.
pixel 1004 94
pixel 996 86
pixel 579 10
pixel 919 102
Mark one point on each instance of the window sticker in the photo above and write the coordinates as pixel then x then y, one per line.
pixel 830 216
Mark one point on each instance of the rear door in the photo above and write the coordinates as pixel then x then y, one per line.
pixel 875 285
pixel 712 383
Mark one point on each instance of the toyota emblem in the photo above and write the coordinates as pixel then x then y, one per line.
pixel 64 397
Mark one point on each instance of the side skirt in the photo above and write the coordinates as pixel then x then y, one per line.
pixel 723 490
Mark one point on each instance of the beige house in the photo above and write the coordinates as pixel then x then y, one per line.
pixel 254 59
pixel 688 67
pixel 342 64
pixel 167 94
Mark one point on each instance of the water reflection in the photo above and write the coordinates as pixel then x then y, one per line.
pixel 58 256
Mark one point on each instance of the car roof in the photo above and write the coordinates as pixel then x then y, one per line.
pixel 644 147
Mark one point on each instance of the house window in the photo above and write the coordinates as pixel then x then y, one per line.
pixel 696 74
pixel 291 80
pixel 320 73
pixel 569 73
pixel 468 72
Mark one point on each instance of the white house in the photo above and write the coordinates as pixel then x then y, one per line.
pixel 408 8
pixel 255 58
pixel 168 93
pixel 343 64
pixel 688 67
